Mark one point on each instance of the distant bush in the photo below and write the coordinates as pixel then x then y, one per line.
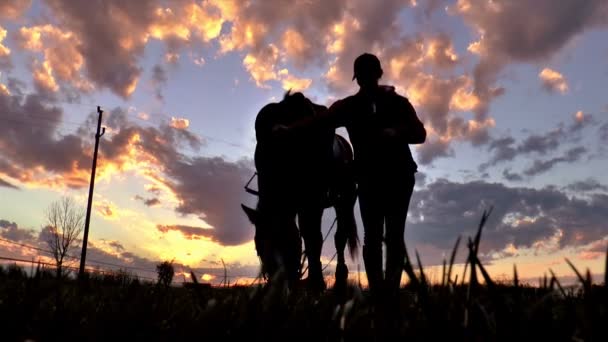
pixel 165 273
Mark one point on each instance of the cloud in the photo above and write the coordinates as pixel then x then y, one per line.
pixel 109 255
pixel 11 231
pixel 208 187
pixel 297 47
pixel 212 189
pixel 159 79
pixel 603 130
pixel 541 166
pixel 594 250
pixel 553 81
pixel 179 123
pixel 111 41
pixel 273 37
pixel 261 65
pixel 62 61
pixel 13 9
pixel 524 217
pixel 587 185
pixel 290 82
pixel 432 149
pixel 4 51
pixel 511 176
pixel 148 202
pixel 7 184
pixel 505 148
pixel 520 31
pixel 107 210
pixel 440 51
pixel 31 151
pixel 189 232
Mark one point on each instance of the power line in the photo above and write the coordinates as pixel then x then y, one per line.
pixel 45 124
pixel 26 245
pixel 45 118
pixel 63 266
pixel 41 121
pixel 216 273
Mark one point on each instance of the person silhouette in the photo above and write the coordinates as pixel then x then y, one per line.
pixel 381 124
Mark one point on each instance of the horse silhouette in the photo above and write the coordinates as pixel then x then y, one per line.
pixel 300 175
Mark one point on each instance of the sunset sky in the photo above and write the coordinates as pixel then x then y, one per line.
pixel 512 94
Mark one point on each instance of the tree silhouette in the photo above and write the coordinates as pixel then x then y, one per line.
pixel 64 219
pixel 165 273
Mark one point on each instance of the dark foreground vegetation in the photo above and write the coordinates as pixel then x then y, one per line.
pixel 116 307
pixel 120 307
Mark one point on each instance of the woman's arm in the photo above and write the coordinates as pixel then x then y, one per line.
pixel 410 127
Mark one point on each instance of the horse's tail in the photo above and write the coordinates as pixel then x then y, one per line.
pixel 352 238
pixel 347 192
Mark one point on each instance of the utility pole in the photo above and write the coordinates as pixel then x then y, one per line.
pixel 83 255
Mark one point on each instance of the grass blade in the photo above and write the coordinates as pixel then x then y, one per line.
pixel 193 276
pixel 464 273
pixel 578 274
pixel 484 273
pixel 472 257
pixel 515 277
pixel 453 257
pixel 443 273
pixel 409 270
pixel 422 276
pixel 482 223
pixel 559 285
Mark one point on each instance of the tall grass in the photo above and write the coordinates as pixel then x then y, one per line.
pixel 120 307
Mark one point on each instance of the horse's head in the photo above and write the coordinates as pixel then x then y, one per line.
pixel 297 106
pixel 277 246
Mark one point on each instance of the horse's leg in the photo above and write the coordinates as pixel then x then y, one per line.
pixel 346 231
pixel 292 251
pixel 309 219
pixel 345 221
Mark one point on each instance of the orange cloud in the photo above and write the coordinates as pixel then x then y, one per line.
pixel 4 51
pixel 294 83
pixel 464 99
pixel 13 9
pixel 143 115
pixel 107 210
pixel 261 65
pixel 203 19
pixel 179 123
pixel 553 81
pixel 43 76
pixel 171 57
pixel 441 51
pixel 62 59
pixel 296 47
pixel 243 34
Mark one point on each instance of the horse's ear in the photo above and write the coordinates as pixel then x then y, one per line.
pixel 252 214
pixel 287 94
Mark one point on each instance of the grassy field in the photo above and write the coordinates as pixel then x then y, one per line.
pixel 118 306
